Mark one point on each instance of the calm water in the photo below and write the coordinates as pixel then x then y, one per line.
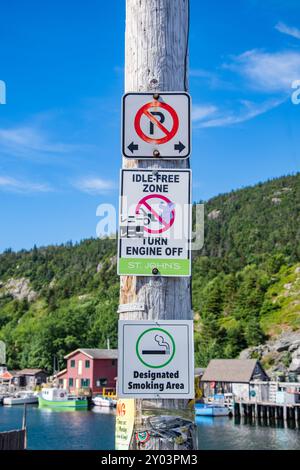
pixel 49 429
pixel 56 430
pixel 225 433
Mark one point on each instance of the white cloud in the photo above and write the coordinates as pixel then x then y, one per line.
pixel 31 141
pixel 11 184
pixel 212 79
pixel 289 30
pixel 199 112
pixel 201 73
pixel 268 72
pixel 246 111
pixel 94 185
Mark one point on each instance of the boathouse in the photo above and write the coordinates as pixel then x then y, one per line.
pixel 89 369
pixel 29 378
pixel 25 378
pixel 236 376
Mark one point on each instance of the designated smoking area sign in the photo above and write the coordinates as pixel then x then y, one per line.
pixel 155 223
pixel 156 359
pixel 156 125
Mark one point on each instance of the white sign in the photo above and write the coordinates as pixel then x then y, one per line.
pixel 124 423
pixel 156 125
pixel 155 223
pixel 156 359
pixel 136 307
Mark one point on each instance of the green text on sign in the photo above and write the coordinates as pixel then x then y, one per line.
pixel 144 267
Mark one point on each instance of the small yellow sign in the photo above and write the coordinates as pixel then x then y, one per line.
pixel 124 423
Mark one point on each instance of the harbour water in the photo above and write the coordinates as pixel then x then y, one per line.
pixel 94 430
pixel 49 429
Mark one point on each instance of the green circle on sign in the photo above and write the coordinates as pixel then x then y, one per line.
pixel 139 356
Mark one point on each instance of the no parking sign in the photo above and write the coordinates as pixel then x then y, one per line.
pixel 156 125
pixel 155 223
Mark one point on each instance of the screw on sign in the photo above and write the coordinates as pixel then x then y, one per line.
pixel 159 213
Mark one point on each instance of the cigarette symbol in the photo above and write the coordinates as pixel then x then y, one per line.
pixel 161 342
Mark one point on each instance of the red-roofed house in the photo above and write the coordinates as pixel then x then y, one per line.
pixel 5 376
pixel 92 369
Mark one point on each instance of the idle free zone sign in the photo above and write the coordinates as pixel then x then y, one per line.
pixel 156 359
pixel 155 223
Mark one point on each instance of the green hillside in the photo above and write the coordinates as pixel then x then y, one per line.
pixel 245 283
pixel 252 242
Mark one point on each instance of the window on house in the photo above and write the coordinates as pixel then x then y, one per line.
pixel 114 362
pixel 87 364
pixel 71 382
pixel 101 382
pixel 85 382
pixel 73 363
pixel 60 381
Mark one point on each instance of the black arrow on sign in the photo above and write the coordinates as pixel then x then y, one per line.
pixel 179 147
pixel 132 147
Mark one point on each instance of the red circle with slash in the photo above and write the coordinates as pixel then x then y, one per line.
pixel 144 111
pixel 146 202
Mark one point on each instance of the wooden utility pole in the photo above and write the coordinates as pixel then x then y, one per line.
pixel 156 60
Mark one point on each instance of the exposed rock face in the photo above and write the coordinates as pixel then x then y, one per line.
pixel 19 289
pixel 295 363
pixel 279 355
pixel 213 215
pixel 83 297
pixel 99 267
pixel 276 200
pixel 282 191
pixel 113 262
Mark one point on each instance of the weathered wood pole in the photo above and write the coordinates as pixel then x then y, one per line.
pixel 156 59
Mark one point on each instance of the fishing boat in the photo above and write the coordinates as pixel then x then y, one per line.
pixel 100 400
pixel 21 398
pixel 203 409
pixel 59 398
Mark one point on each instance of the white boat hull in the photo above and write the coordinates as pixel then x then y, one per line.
pixel 20 401
pixel 103 402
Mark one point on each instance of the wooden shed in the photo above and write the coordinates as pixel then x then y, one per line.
pixel 234 376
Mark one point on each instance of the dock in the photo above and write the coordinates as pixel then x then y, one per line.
pixel 267 410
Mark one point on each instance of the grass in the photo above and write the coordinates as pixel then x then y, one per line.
pixel 284 295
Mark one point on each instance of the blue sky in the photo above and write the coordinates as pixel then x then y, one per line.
pixel 60 126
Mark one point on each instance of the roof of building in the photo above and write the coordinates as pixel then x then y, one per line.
pixel 29 371
pixel 14 372
pixel 199 371
pixel 229 370
pixel 61 372
pixel 96 353
pixel 6 375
